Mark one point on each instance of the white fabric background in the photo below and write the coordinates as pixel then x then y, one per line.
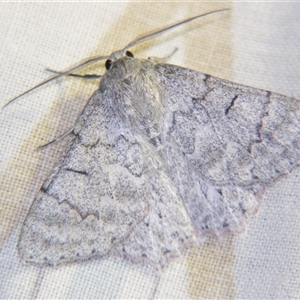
pixel 255 44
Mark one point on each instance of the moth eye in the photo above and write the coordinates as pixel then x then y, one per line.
pixel 129 54
pixel 108 64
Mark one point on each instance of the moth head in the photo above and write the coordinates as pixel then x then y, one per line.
pixel 119 67
pixel 115 56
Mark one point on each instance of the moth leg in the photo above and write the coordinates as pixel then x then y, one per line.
pixel 59 138
pixel 160 60
pixel 87 76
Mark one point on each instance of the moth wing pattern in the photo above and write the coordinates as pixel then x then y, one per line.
pixel 102 199
pixel 144 180
pixel 224 143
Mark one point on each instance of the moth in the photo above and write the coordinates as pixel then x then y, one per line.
pixel 160 158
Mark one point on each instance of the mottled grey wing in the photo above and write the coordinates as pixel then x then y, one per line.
pixel 105 197
pixel 224 143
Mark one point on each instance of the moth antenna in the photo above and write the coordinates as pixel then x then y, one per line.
pixel 151 35
pixel 61 74
pixel 136 41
